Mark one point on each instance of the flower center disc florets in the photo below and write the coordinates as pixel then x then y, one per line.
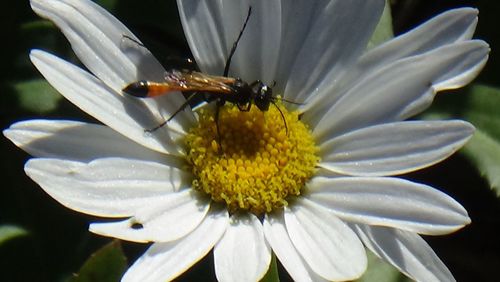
pixel 260 162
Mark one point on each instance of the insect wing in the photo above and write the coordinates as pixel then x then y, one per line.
pixel 181 81
pixel 200 82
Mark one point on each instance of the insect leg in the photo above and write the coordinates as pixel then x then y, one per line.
pixel 219 104
pixel 245 108
pixel 181 108
pixel 124 36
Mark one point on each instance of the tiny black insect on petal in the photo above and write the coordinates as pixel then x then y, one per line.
pixel 137 226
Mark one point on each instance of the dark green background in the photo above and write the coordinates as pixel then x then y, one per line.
pixel 59 243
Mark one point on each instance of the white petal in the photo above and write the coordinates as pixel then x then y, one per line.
pixel 336 37
pixel 257 54
pixel 325 242
pixel 406 251
pixel 277 236
pixel 77 141
pixel 389 202
pixel 166 261
pixel 399 90
pixel 166 218
pixel 296 17
pixel 447 28
pixel 128 116
pixel 98 39
pixel 212 28
pixel 106 187
pixel 394 148
pixel 204 31
pixel 242 254
pixel 110 51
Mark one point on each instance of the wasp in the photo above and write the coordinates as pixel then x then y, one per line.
pixel 199 88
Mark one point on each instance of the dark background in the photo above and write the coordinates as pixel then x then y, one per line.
pixel 58 241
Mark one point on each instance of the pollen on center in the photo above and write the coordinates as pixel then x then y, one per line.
pixel 264 159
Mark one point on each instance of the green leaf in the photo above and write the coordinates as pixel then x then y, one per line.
pixel 383 31
pixel 8 232
pixel 37 96
pixel 484 152
pixel 106 265
pixel 483 110
pixel 272 273
pixel 108 4
pixel 480 105
pixel 379 270
pixel 37 26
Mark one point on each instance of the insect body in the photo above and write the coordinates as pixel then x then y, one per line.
pixel 213 88
pixel 200 88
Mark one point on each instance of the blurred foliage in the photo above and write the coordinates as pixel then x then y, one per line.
pixel 272 274
pixel 379 270
pixel 478 104
pixel 9 232
pixel 59 244
pixel 106 265
pixel 384 30
pixel 37 96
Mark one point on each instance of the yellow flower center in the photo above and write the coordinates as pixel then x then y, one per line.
pixel 264 159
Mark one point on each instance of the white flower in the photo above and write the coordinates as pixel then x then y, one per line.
pixel 354 101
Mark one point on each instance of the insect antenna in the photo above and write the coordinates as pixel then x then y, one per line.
pixel 282 116
pixel 289 101
pixel 235 44
pixel 226 71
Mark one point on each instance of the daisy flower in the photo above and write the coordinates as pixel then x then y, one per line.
pixel 312 183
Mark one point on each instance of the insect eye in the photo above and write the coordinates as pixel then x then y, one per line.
pixel 265 93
